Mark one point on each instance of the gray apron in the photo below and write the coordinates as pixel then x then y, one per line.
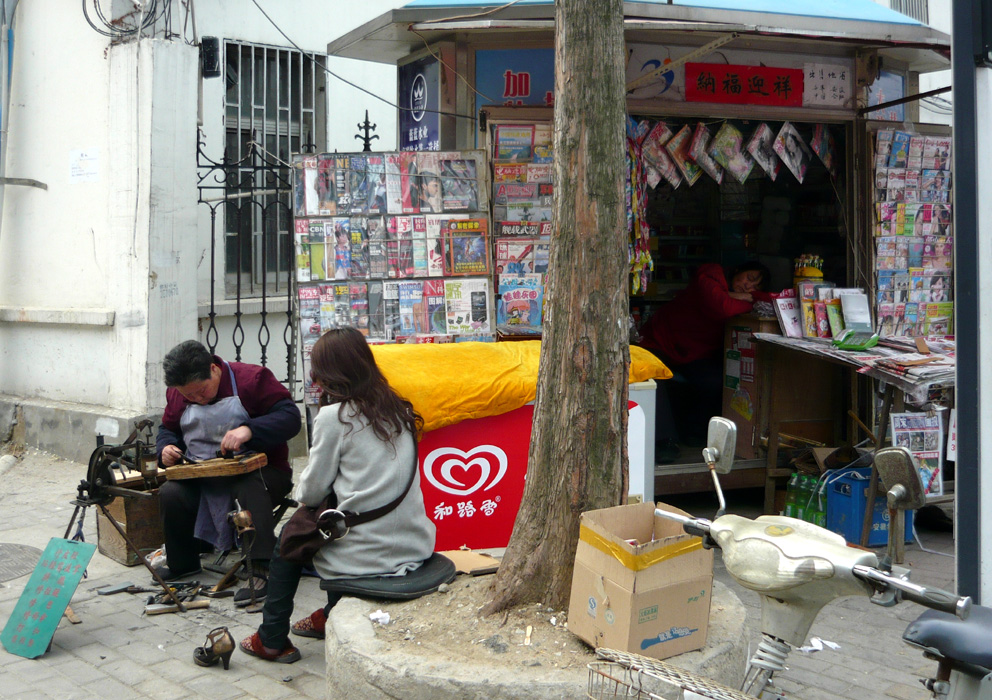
pixel 203 427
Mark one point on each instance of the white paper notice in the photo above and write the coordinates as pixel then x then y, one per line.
pixel 84 166
pixel 952 437
pixel 826 85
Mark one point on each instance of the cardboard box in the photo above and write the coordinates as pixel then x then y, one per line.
pixel 651 597
pixel 140 519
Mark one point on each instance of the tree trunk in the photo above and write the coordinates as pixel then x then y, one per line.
pixel 578 449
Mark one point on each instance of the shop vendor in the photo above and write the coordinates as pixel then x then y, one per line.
pixel 687 335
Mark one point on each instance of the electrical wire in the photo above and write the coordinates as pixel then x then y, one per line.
pixel 150 13
pixel 348 82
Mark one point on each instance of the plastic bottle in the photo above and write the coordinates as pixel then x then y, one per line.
pixel 802 497
pixel 821 508
pixel 791 496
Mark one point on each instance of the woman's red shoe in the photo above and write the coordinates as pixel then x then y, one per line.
pixel 312 625
pixel 253 645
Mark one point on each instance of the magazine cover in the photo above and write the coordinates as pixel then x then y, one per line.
pixel 656 159
pixel 923 435
pixel 540 172
pixel 419 243
pixel 409 183
pixel 341 249
pixel 309 300
pixel 434 299
pixel 467 305
pixel 516 256
pixel 394 191
pixel 342 304
pixel 308 172
pixel 410 305
pixel 435 226
pixel 357 292
pixel 327 196
pixel 899 151
pixel 509 172
pixel 377 312
pixel 789 316
pixel 327 317
pixel 761 146
pixel 376 170
pixel 459 185
pixel 377 248
pixel 359 248
pixel 429 181
pixel 299 187
pixel 342 183
pixel 301 239
pixel 506 192
pixel 466 247
pixel 698 151
pixel 518 311
pixel 391 308
pixel 514 142
pixel 678 149
pixel 727 149
pixel 793 151
pixel 359 184
pixel 823 146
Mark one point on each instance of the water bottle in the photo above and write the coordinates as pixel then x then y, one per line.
pixel 791 495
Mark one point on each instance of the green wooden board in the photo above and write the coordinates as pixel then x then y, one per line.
pixel 45 597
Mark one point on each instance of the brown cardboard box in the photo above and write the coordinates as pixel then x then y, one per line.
pixel 650 598
pixel 140 519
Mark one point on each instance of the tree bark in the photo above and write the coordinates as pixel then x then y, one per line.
pixel 578 450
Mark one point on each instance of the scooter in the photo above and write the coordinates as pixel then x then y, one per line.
pixel 797 568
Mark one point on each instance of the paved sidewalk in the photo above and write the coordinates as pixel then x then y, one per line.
pixel 117 652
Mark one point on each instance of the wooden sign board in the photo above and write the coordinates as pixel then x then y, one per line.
pixel 46 597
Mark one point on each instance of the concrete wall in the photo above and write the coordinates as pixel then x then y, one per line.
pixel 936 110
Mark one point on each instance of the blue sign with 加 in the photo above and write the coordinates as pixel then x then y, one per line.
pixel 515 77
pixel 46 596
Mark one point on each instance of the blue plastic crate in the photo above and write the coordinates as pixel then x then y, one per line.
pixel 846 498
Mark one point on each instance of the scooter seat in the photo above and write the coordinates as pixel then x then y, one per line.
pixel 968 641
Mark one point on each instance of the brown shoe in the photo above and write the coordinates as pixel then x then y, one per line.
pixel 312 625
pixel 253 645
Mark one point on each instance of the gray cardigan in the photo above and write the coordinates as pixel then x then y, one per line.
pixel 366 473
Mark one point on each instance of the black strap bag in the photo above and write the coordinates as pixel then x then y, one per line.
pixel 309 529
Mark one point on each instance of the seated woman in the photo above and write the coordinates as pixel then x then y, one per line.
pixel 364 446
pixel 687 335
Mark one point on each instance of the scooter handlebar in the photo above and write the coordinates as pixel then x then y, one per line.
pixel 934 598
pixel 700 527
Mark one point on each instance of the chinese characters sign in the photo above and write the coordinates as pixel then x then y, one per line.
pixel 515 77
pixel 743 85
pixel 826 85
pixel 46 596
pixel 419 89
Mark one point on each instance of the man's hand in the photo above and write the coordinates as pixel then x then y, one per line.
pixel 234 439
pixel 171 455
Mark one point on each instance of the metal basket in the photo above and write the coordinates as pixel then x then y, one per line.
pixel 625 675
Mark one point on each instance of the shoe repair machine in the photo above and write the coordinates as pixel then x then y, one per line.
pixel 134 462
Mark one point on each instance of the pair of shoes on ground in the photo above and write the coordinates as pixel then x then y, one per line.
pixel 256 581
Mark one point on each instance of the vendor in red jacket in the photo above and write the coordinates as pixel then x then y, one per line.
pixel 214 406
pixel 687 335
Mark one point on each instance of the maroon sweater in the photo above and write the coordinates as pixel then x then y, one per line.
pixel 272 415
pixel 690 327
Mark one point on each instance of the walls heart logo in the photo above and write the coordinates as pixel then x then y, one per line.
pixel 488 459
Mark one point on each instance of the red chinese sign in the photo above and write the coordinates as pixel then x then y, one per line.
pixel 743 85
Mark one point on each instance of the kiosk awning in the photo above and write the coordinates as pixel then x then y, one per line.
pixel 396 34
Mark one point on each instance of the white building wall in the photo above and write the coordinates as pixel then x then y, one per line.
pixel 936 110
pixel 104 271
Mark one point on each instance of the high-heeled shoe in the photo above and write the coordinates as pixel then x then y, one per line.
pixel 219 646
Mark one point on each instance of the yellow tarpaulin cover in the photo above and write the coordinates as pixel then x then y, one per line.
pixel 450 382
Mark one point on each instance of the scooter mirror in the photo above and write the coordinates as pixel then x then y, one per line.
pixel 896 467
pixel 722 437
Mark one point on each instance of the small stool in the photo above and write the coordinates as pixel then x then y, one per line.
pixel 438 569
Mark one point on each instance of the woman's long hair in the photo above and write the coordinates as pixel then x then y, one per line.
pixel 344 367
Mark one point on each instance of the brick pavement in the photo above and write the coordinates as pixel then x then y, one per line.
pixel 116 652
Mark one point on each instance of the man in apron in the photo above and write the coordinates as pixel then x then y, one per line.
pixel 215 406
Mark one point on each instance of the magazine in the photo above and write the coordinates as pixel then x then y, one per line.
pixel 433 293
pixel 823 146
pixel 411 306
pixel 359 301
pixel 376 311
pixel 359 184
pixel 342 305
pixel 327 318
pixel 359 248
pixel 327 196
pixel 391 308
pixel 342 183
pixel 699 152
pixel 467 305
pixel 793 151
pixel 302 249
pixel 658 164
pixel 761 146
pixel 419 246
pixel 378 267
pixel 308 177
pixel 429 181
pixel 342 247
pixel 518 311
pixel 509 172
pixel 678 149
pixel 519 255
pixel 409 183
pixel 466 247
pixel 789 316
pixel 727 149
pixel 394 191
pixel 376 173
pixel 923 435
pixel 514 142
pixel 459 185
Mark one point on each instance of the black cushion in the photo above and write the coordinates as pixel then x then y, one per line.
pixel 968 640
pixel 425 579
